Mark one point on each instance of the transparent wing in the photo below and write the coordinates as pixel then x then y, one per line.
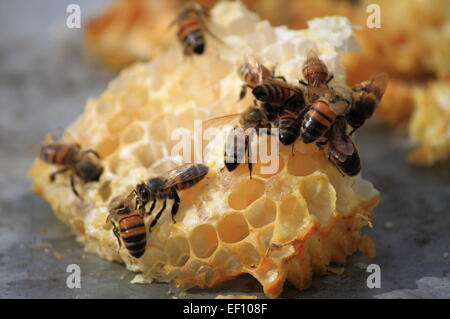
pixel 215 127
pixel 188 174
pixel 312 55
pixel 221 121
pixel 379 82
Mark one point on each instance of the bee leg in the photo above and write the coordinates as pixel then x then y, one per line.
pixel 92 152
pixel 303 82
pixel 292 149
pixel 72 185
pixel 243 91
pixel 249 158
pixel 154 221
pixel 175 205
pixel 53 175
pixel 321 144
pixel 330 78
pixel 334 164
pixel 282 78
pixel 116 233
pixel 152 207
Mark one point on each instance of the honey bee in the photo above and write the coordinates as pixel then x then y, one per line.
pixel 72 159
pixel 323 112
pixel 342 152
pixel 239 139
pixel 275 92
pixel 130 226
pixel 192 28
pixel 315 72
pixel 290 119
pixel 367 96
pixel 253 73
pixel 161 188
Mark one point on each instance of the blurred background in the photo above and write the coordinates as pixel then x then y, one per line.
pixel 48 71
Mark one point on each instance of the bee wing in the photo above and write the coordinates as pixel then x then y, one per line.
pixel 222 121
pixel 344 145
pixel 172 176
pixel 214 127
pixel 312 55
pixel 379 82
pixel 64 135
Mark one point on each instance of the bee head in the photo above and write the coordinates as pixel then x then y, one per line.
pixel 143 192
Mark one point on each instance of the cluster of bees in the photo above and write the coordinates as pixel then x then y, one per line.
pixel 312 110
pixel 126 215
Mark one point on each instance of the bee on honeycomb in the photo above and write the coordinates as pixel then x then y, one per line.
pixel 287 224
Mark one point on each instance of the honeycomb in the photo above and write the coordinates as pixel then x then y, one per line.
pixel 430 123
pixel 287 224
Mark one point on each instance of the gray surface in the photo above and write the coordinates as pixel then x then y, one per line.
pixel 44 84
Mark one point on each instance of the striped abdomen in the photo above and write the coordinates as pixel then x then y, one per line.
pixel 188 176
pixel 315 72
pixel 317 121
pixel 272 93
pixel 289 127
pixel 132 232
pixel 352 165
pixel 235 148
pixel 191 35
pixel 60 154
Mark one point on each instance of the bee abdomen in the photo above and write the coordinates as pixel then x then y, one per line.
pixel 191 35
pixel 191 176
pixel 132 231
pixel 317 120
pixel 315 72
pixel 56 153
pixel 352 165
pixel 289 128
pixel 271 93
pixel 235 148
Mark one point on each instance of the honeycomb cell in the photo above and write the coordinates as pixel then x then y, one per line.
pixel 246 193
pixel 114 163
pixel 159 128
pixel 132 134
pixel 265 237
pixel 290 219
pixel 105 107
pixel 148 153
pixel 248 255
pixel 261 212
pixel 203 239
pixel 226 260
pixel 320 196
pixel 177 248
pixel 155 257
pixel 105 191
pixel 232 228
pixel 302 165
pixel 107 147
pixel 119 122
pixel 134 98
pixel 269 169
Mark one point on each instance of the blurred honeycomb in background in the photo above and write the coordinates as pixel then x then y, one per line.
pixel 412 46
pixel 302 219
